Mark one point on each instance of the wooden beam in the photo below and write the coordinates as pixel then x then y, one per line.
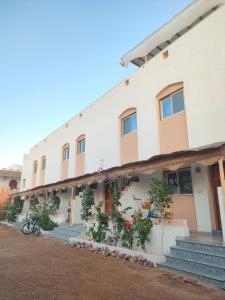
pixel 222 176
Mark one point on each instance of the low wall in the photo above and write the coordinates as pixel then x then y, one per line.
pixel 162 236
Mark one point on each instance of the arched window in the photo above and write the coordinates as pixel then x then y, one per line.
pixel 13 184
pixel 43 162
pixel 172 123
pixel 35 167
pixel 128 136
pixel 171 100
pixel 66 152
pixel 128 121
pixel 80 155
pixel 81 141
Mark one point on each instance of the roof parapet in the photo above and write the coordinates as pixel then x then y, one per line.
pixel 169 32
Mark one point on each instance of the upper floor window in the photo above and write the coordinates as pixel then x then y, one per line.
pixel 129 123
pixel 81 146
pixel 66 153
pixel 180 182
pixel 43 163
pixel 172 104
pixel 13 184
pixel 35 167
pixel 24 183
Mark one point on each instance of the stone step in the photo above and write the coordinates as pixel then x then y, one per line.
pixel 205 247
pixel 67 233
pixel 209 278
pixel 194 265
pixel 199 256
pixel 57 236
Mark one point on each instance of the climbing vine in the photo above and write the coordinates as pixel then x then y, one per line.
pixel 98 231
pixel 159 193
pixel 142 226
pixel 131 233
pixel 87 202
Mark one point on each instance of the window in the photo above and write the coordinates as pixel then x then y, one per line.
pixel 81 146
pixel 180 182
pixel 66 153
pixel 13 184
pixel 172 104
pixel 43 163
pixel 35 167
pixel 24 183
pixel 129 123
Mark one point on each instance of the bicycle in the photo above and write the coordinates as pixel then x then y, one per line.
pixel 30 227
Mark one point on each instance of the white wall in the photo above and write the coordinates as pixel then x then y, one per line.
pixel 202 196
pixel 197 59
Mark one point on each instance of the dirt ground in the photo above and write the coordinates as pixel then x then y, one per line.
pixel 43 268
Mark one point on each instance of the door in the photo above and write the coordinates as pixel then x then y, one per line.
pixel 215 182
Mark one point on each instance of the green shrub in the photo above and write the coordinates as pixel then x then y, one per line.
pixel 41 211
pixel 13 209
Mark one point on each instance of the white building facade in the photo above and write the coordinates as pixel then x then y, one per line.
pixel 173 102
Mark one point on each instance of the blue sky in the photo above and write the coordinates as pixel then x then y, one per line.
pixel 58 56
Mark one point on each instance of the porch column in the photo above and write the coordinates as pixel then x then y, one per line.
pixel 221 196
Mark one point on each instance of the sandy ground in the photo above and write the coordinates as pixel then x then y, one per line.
pixel 43 268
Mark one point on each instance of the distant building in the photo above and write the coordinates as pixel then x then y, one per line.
pixel 9 181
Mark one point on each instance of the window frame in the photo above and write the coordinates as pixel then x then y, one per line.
pixel 178 182
pixel 123 122
pixel 35 167
pixel 43 163
pixel 79 148
pixel 170 96
pixel 24 183
pixel 66 153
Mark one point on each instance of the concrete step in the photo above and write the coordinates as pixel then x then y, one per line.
pixel 209 278
pixel 205 247
pixel 57 236
pixel 196 266
pixel 199 256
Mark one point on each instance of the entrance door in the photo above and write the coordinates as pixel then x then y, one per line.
pixel 108 199
pixel 215 182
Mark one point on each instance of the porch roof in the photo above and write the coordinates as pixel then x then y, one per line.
pixel 207 155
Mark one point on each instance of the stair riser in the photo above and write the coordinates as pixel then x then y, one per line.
pixel 217 250
pixel 193 266
pixel 201 278
pixel 220 261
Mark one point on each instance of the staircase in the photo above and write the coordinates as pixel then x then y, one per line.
pixel 61 232
pixel 203 260
pixel 65 231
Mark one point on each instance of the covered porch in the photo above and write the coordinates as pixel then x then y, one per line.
pixel 201 210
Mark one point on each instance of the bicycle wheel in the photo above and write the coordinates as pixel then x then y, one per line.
pixel 27 228
pixel 37 230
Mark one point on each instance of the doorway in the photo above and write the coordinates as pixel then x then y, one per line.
pixel 215 182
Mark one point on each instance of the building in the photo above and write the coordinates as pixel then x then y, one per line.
pixel 166 119
pixel 9 182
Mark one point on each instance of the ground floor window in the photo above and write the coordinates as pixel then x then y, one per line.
pixel 180 181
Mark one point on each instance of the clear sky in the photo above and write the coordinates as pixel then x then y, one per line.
pixel 58 56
